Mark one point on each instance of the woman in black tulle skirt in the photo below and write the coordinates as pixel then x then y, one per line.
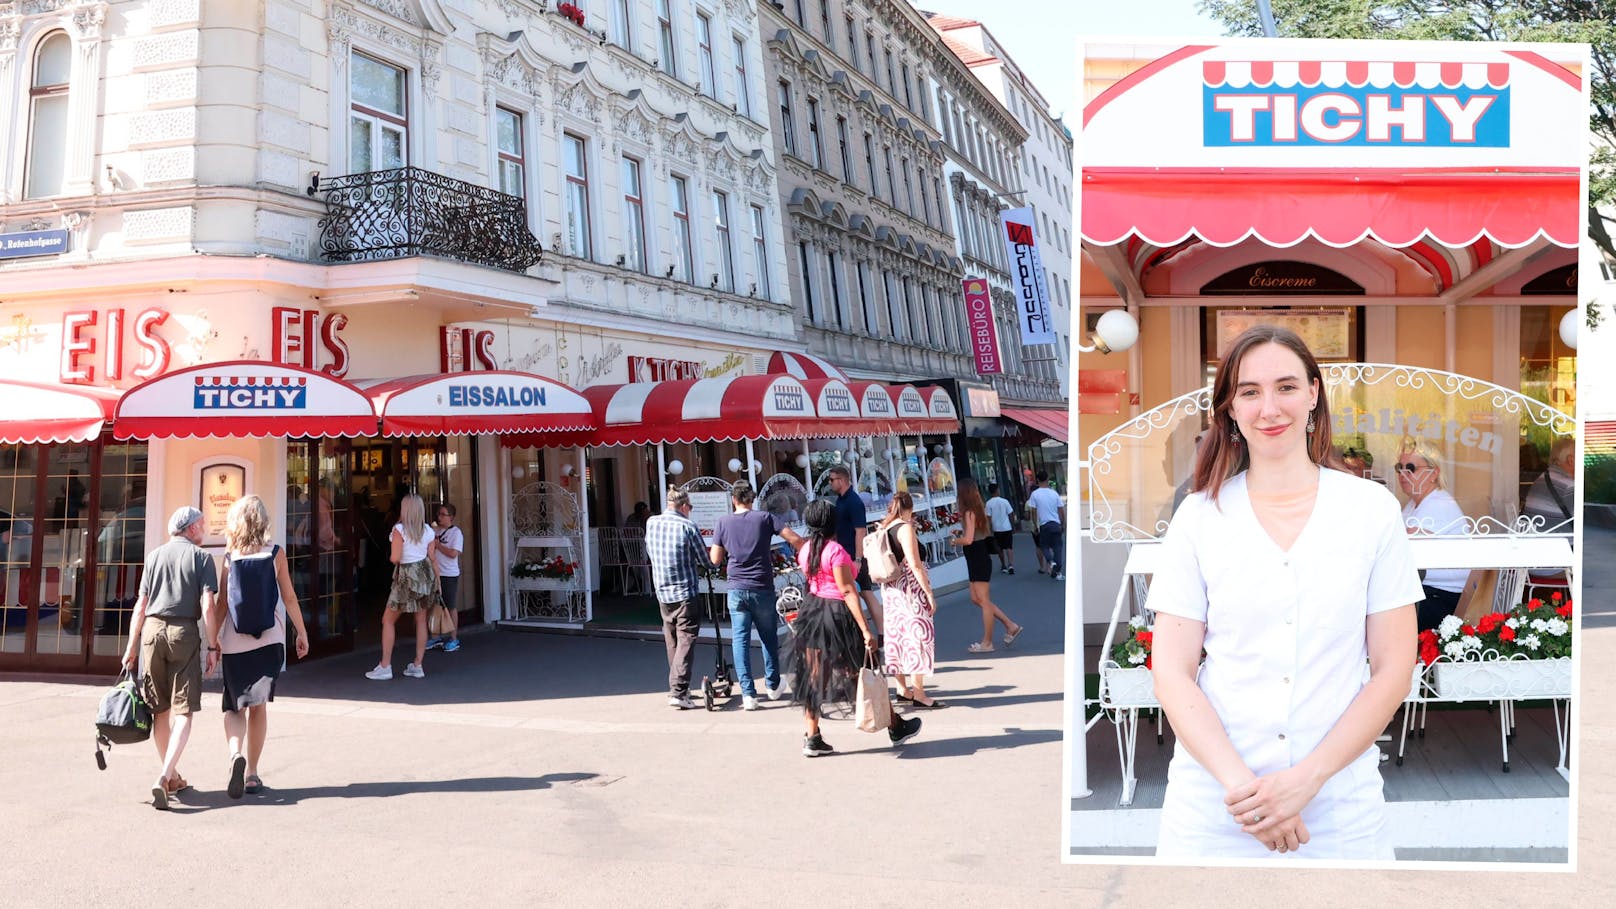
pixel 832 636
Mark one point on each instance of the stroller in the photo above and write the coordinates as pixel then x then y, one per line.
pixel 721 683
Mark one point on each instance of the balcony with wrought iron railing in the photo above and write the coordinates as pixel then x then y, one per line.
pixel 407 211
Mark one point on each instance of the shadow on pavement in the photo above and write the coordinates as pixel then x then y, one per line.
pixel 197 801
pixel 921 747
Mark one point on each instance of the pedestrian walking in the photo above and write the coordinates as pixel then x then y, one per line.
pixel 832 639
pixel 745 538
pixel 911 607
pixel 177 590
pixel 1291 576
pixel 451 542
pixel 679 559
pixel 852 522
pixel 415 585
pixel 1001 518
pixel 973 537
pixel 256 583
pixel 1050 517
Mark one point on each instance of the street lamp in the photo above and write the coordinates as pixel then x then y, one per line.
pixel 1115 332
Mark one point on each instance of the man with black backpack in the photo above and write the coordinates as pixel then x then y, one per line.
pixel 176 591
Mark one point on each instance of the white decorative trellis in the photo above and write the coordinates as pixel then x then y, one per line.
pixel 545 523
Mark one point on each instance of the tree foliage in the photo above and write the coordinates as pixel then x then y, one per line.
pixel 1590 21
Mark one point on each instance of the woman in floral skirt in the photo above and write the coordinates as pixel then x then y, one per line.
pixel 415 585
pixel 909 604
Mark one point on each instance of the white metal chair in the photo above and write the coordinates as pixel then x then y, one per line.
pixel 636 560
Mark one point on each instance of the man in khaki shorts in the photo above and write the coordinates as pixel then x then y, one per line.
pixel 176 591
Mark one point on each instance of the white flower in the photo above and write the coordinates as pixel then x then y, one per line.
pixel 1512 622
pixel 1134 659
pixel 1454 650
pixel 1557 627
pixel 1450 627
pixel 1137 621
pixel 1531 642
pixel 1538 625
pixel 1471 643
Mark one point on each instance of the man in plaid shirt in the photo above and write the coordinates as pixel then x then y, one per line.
pixel 678 561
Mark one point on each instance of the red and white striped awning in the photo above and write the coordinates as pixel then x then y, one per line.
pixel 707 410
pixel 804 366
pixel 43 414
pixel 243 398
pixel 1395 141
pixel 493 401
pixel 914 406
pixel 940 407
pixel 875 406
pixel 838 408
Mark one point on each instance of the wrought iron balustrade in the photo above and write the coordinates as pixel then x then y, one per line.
pixel 407 211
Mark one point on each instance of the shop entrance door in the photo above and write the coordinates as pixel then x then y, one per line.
pixel 384 471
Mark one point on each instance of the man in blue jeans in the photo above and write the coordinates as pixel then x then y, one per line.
pixel 1050 516
pixel 746 539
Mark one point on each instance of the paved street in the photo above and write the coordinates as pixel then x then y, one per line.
pixel 546 770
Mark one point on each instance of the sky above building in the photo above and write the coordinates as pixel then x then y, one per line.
pixel 1042 35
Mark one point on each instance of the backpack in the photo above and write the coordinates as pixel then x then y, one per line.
pixel 254 593
pixel 123 717
pixel 879 558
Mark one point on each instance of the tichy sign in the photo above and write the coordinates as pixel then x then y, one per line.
pixel 1027 277
pixel 1335 102
pixel 231 393
pixel 981 327
pixel 33 243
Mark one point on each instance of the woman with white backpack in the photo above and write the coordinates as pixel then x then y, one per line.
pixel 892 553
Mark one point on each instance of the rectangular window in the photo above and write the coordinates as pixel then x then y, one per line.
pixel 574 153
pixel 870 164
pixel 802 16
pixel 47 118
pixel 841 147
pixel 908 98
pixel 930 313
pixel 788 128
pixel 865 307
pixel 836 290
pixel 378 117
pixel 743 92
pixel 869 45
pixel 892 79
pixel 760 252
pixel 622 24
pixel 892 184
pixel 684 264
pixel 726 253
pixel 704 51
pixel 824 23
pixel 852 45
pixel 815 146
pixel 894 311
pixel 666 58
pixel 925 198
pixel 908 190
pixel 909 313
pixel 633 217
pixel 512 166
pixel 807 262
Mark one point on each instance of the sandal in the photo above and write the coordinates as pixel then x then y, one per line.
pixel 1011 637
pixel 933 704
pixel 176 785
pixel 254 785
pixel 978 648
pixel 238 768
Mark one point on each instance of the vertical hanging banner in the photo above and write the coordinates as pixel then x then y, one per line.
pixel 1027 277
pixel 979 324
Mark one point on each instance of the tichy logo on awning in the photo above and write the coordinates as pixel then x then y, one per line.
pixel 249 393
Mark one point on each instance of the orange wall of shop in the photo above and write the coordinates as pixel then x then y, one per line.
pixel 1475 348
pixel 174 464
pixel 1420 330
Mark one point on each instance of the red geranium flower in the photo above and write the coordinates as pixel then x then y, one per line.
pixel 1468 631
pixel 1147 661
pixel 1143 637
pixel 1428 652
pixel 1555 596
pixel 1563 612
pixel 1535 603
pixel 1506 633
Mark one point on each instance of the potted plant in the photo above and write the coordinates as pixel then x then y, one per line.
pixel 1125 680
pixel 1522 653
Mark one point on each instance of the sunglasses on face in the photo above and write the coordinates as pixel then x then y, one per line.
pixel 1408 468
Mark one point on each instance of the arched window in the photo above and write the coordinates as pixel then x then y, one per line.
pixel 46 166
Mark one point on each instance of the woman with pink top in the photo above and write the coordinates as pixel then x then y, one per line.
pixel 832 639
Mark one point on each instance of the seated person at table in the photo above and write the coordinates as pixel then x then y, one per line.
pixel 1430 509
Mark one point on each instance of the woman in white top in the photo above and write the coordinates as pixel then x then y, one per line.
pixel 1290 574
pixel 251 663
pixel 415 585
pixel 1430 509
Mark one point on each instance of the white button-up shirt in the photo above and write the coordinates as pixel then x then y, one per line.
pixel 1285 642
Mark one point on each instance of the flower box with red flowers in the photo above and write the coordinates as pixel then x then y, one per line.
pixel 1125 680
pixel 572 12
pixel 557 569
pixel 1522 653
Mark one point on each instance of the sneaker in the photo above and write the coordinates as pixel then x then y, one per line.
pixel 415 672
pixel 1010 570
pixel 434 644
pixel 1004 571
pixel 814 746
pixel 777 692
pixel 748 702
pixel 907 729
pixel 681 702
pixel 1060 576
pixel 451 645
pixel 380 674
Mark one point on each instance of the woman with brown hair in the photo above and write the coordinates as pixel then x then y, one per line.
pixel 974 536
pixel 1289 574
pixel 255 575
pixel 909 604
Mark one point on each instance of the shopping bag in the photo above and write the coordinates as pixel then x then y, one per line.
pixel 874 712
pixel 437 622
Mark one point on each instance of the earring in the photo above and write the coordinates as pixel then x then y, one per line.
pixel 1234 436
pixel 1310 421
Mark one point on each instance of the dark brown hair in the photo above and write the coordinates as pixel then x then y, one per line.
pixel 1222 454
pixel 970 502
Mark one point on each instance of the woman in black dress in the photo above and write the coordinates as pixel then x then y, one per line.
pixel 974 536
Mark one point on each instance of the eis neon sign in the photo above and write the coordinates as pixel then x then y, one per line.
pixel 1362 103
